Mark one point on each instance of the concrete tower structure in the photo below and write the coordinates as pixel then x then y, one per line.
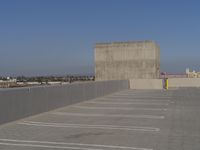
pixel 127 60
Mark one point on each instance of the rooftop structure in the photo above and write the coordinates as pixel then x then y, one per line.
pixel 127 60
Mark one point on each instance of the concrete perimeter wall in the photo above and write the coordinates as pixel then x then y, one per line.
pixel 184 82
pixel 146 84
pixel 23 102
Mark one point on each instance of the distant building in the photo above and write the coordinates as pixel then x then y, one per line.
pixel 126 60
pixel 7 83
pixel 167 75
pixel 192 74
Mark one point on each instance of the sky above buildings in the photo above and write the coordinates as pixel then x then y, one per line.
pixel 56 37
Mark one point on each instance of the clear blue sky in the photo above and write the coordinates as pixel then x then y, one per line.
pixel 42 37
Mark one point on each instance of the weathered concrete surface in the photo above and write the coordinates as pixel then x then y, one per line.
pixel 127 60
pixel 128 120
pixel 22 102
pixel 146 84
pixel 184 82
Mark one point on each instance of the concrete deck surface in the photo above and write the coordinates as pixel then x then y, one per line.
pixel 127 120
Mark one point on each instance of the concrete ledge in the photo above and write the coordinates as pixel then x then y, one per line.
pixel 184 82
pixel 23 102
pixel 146 84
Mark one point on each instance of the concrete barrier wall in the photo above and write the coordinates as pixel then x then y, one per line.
pixel 184 82
pixel 146 84
pixel 23 102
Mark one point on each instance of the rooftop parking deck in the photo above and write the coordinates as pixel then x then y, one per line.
pixel 126 120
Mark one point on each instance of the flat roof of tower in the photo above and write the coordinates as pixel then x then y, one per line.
pixel 123 43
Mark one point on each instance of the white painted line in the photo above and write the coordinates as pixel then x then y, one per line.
pixel 105 127
pixel 108 115
pixel 139 97
pixel 130 100
pixel 72 144
pixel 119 108
pixel 144 94
pixel 125 103
pixel 47 146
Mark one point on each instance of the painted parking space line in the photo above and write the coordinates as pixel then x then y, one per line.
pixel 120 108
pixel 63 145
pixel 108 115
pixel 46 146
pixel 125 103
pixel 131 100
pixel 137 97
pixel 87 126
pixel 140 97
